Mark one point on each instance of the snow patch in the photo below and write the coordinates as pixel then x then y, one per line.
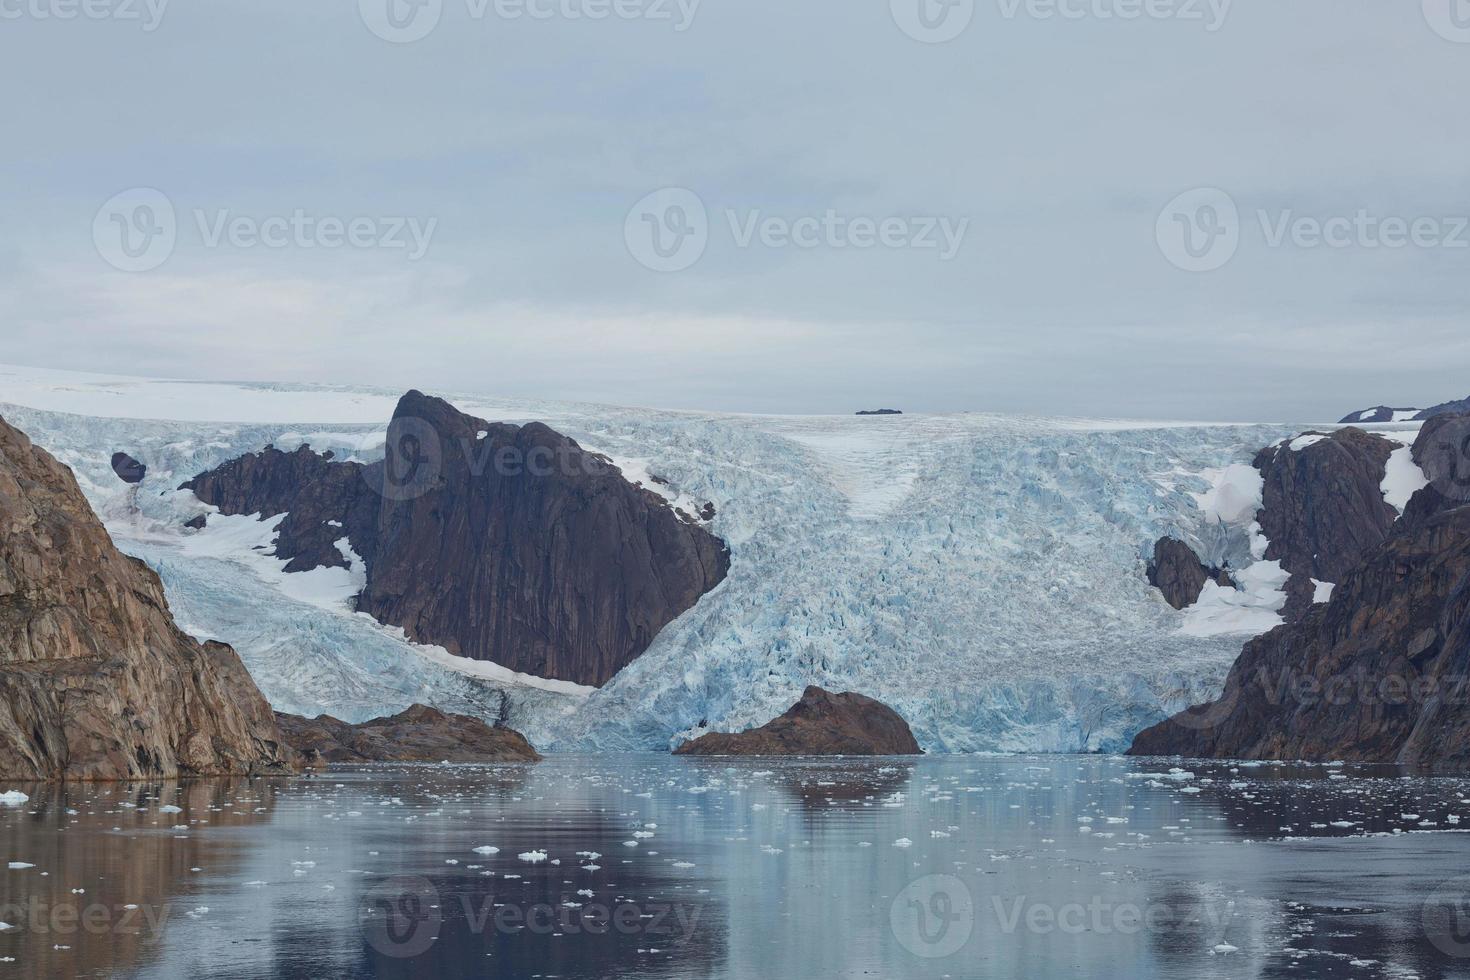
pixel 1402 478
pixel 1234 495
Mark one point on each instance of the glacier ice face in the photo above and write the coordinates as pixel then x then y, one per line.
pixel 981 574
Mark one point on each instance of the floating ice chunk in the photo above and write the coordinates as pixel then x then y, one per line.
pixel 20 865
pixel 486 849
pixel 13 798
pixel 170 808
pixel 903 842
pixel 533 857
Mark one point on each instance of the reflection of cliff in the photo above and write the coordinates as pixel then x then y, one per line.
pixel 112 841
pixel 819 787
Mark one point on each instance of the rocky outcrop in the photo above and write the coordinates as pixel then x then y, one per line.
pixel 1380 673
pixel 1382 413
pixel 1176 571
pixel 128 469
pixel 821 723
pixel 96 680
pixel 499 542
pixel 419 734
pixel 880 411
pixel 1378 413
pixel 1459 407
pixel 1323 507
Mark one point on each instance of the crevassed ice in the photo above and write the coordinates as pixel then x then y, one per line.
pixel 983 575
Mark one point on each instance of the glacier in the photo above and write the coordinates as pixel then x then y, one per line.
pixel 982 574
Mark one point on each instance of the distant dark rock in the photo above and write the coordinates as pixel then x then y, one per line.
pixel 128 469
pixel 1381 672
pixel 1379 413
pixel 503 543
pixel 880 411
pixel 323 500
pixel 821 723
pixel 1460 407
pixel 419 734
pixel 1323 507
pixel 1382 413
pixel 197 522
pixel 1177 572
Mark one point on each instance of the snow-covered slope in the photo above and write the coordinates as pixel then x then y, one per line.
pixel 983 575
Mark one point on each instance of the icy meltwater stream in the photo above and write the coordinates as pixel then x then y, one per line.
pixel 651 866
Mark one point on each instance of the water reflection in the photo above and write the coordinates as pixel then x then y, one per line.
pixel 662 867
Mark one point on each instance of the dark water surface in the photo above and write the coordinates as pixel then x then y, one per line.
pixel 1043 866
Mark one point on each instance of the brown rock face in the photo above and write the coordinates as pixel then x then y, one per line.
pixel 498 542
pixel 1381 673
pixel 1323 508
pixel 96 681
pixel 821 723
pixel 1177 572
pixel 419 734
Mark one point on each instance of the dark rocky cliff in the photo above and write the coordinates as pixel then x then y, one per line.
pixel 498 542
pixel 1323 508
pixel 1381 673
pixel 1176 571
pixel 419 734
pixel 96 680
pixel 821 723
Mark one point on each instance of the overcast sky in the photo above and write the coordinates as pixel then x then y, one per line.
pixel 990 224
